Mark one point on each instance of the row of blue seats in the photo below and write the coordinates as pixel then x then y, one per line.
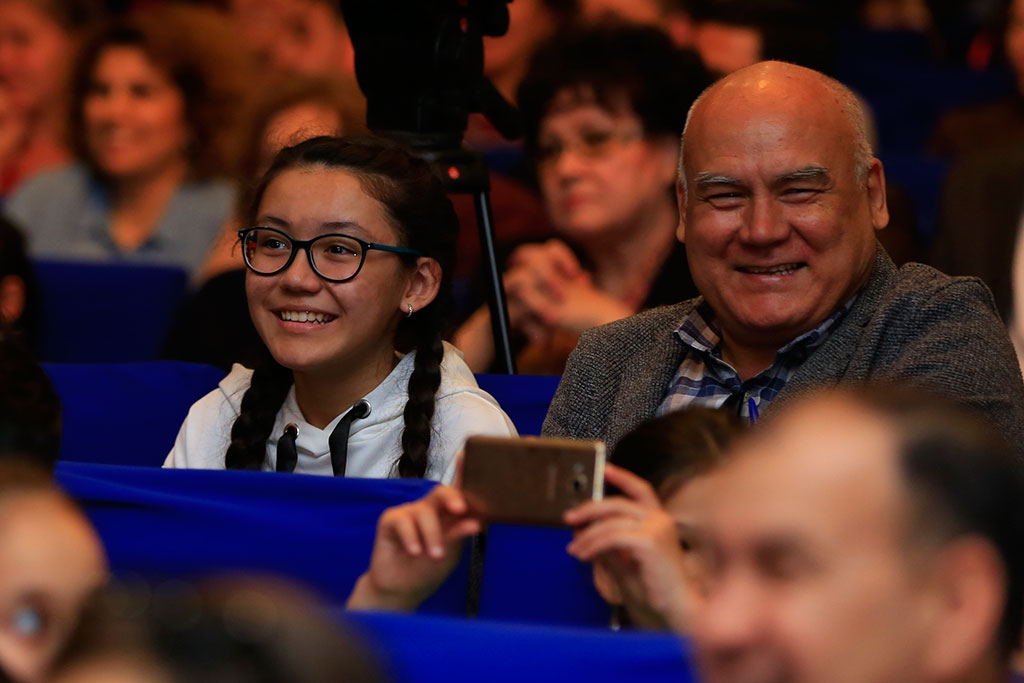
pixel 129 413
pixel 180 524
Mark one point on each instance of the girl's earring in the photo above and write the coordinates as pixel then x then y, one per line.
pixel 409 314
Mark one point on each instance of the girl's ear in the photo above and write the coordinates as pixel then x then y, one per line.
pixel 422 286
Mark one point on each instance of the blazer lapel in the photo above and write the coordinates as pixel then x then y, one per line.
pixel 828 364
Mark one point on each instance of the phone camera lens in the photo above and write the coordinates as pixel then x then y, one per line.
pixel 580 483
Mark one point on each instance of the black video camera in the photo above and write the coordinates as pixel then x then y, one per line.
pixel 420 64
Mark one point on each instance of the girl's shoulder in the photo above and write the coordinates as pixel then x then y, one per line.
pixel 459 396
pixel 232 388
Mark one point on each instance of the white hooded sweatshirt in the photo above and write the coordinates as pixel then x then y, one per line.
pixel 462 408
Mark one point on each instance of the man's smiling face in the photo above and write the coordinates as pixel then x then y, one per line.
pixel 778 224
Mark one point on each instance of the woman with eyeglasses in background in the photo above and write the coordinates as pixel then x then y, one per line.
pixel 603 111
pixel 349 265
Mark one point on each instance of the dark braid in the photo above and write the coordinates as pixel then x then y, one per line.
pixel 423 384
pixel 424 220
pixel 249 434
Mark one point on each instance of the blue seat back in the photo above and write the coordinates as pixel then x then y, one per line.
pixel 524 397
pixel 126 414
pixel 95 313
pixel 183 524
pixel 444 650
pixel 528 576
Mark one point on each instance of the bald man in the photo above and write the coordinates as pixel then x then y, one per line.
pixel 780 198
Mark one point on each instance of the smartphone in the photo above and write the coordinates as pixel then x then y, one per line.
pixel 530 480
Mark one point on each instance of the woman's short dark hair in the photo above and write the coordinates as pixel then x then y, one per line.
pixel 424 220
pixel 194 46
pixel 618 67
pixel 672 449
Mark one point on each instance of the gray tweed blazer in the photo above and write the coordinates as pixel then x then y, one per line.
pixel 911 324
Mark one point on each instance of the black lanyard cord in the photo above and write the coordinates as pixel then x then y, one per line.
pixel 287 454
pixel 338 440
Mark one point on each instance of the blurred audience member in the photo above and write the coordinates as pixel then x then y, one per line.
pixel 862 536
pixel 979 230
pixel 896 15
pixel 19 303
pixel 30 412
pixel 150 123
pixel 732 34
pixel 295 37
pixel 531 22
pixel 214 326
pixel 240 630
pixel 674 17
pixel 50 561
pixel 989 126
pixel 37 39
pixel 506 60
pixel 779 221
pixel 603 110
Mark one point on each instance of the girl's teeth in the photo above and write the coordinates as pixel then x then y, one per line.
pixel 303 317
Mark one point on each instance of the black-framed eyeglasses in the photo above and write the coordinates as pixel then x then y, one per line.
pixel 335 257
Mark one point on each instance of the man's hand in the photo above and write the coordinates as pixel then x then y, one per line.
pixel 636 541
pixel 417 546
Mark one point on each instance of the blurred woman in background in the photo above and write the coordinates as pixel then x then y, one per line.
pixel 37 40
pixel 150 123
pixel 603 112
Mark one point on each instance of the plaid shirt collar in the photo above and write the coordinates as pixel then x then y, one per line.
pixel 699 331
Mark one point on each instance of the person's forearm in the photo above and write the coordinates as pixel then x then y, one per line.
pixel 366 597
pixel 474 339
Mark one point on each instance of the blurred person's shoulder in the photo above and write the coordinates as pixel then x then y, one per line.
pixel 48 189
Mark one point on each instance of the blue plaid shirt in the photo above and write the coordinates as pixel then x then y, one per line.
pixel 704 379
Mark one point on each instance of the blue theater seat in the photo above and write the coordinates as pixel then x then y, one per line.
pixel 529 577
pixel 183 524
pixel 444 650
pixel 94 313
pixel 128 413
pixel 524 397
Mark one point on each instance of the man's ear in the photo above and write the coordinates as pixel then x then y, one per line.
pixel 12 298
pixel 681 204
pixel 422 286
pixel 970 592
pixel 877 203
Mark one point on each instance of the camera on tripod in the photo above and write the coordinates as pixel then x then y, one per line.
pixel 420 64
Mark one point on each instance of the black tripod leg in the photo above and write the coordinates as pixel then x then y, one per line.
pixel 496 289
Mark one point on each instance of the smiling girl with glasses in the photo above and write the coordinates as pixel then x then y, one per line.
pixel 377 240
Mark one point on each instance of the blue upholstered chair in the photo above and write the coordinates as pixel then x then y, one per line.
pixel 94 313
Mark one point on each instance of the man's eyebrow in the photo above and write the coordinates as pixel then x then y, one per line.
pixel 813 172
pixel 705 178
